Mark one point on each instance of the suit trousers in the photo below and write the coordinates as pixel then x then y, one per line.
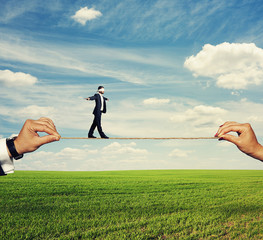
pixel 96 123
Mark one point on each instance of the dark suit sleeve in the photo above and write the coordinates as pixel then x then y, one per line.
pixel 92 98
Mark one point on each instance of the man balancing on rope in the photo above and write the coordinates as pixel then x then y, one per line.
pixel 100 107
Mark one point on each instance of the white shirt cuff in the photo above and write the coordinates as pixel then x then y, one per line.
pixel 5 161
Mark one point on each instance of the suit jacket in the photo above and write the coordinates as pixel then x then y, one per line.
pixel 97 108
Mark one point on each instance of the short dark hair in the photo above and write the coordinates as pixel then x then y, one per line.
pixel 100 87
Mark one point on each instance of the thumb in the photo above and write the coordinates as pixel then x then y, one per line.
pixel 229 138
pixel 47 139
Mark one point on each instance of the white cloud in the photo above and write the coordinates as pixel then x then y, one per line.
pixel 112 156
pixel 42 160
pixel 254 118
pixel 75 153
pixel 28 112
pixel 85 14
pixel 179 153
pixel 200 117
pixel 234 66
pixel 116 148
pixel 225 144
pixel 154 101
pixel 236 93
pixel 16 79
pixel 35 112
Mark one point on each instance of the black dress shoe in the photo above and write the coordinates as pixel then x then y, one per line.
pixel 104 136
pixel 91 136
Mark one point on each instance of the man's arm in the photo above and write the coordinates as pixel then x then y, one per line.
pixel 28 140
pixel 91 98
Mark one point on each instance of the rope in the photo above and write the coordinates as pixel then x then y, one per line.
pixel 144 138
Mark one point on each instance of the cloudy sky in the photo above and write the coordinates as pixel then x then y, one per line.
pixel 170 69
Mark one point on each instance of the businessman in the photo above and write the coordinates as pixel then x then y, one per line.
pixel 100 107
pixel 27 141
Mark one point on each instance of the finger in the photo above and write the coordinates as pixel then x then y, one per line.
pixel 231 128
pixel 46 123
pixel 227 124
pixel 230 138
pixel 230 123
pixel 48 120
pixel 228 127
pixel 44 128
pixel 46 139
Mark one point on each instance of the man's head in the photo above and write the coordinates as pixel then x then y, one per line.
pixel 101 89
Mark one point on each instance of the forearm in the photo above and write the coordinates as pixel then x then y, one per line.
pixel 257 152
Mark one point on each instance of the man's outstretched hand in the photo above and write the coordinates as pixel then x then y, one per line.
pixel 28 139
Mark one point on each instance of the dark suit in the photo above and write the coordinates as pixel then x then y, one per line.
pixel 97 114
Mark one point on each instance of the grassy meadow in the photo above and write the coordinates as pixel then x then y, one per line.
pixel 153 204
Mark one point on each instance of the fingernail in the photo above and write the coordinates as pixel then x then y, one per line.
pixel 221 126
pixel 216 134
pixel 56 138
pixel 220 139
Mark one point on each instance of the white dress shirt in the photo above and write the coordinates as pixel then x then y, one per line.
pixel 5 161
pixel 102 101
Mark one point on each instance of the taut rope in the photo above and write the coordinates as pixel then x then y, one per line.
pixel 143 138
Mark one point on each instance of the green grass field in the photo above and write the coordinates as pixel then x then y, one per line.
pixel 161 204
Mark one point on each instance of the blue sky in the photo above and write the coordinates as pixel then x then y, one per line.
pixel 170 69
